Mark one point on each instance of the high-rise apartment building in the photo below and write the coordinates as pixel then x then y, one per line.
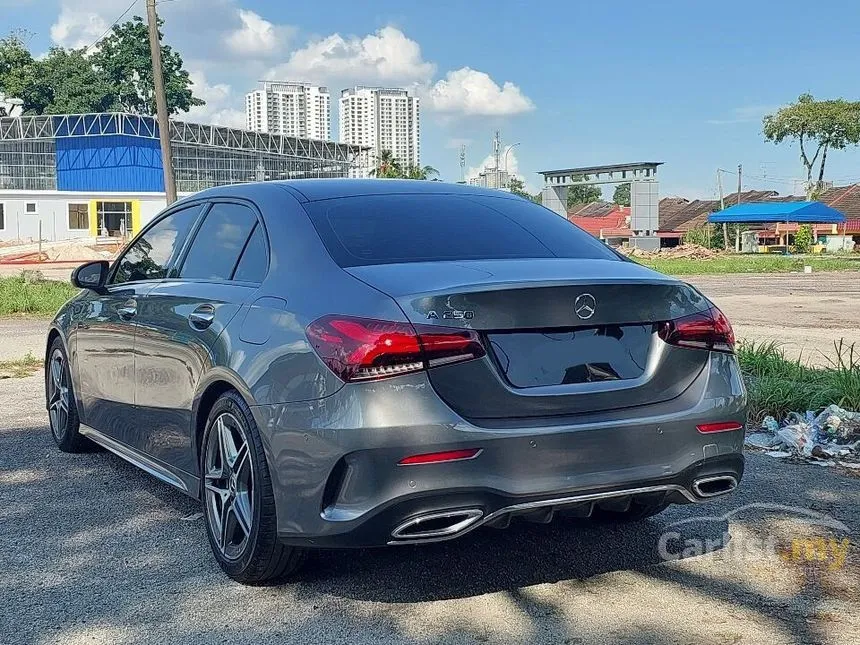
pixel 294 109
pixel 383 119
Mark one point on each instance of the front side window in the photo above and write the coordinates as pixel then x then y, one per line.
pixel 2 217
pixel 79 217
pixel 219 242
pixel 150 256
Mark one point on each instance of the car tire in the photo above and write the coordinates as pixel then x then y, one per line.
pixel 61 403
pixel 637 511
pixel 238 501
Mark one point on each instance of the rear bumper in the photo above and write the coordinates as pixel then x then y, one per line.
pixel 449 514
pixel 336 481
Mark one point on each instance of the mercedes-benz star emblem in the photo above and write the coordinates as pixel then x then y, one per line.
pixel 584 306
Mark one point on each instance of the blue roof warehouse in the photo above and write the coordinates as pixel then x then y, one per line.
pixel 95 175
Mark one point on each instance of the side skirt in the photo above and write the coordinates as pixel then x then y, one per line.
pixel 188 484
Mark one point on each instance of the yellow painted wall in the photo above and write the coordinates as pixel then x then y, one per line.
pixel 94 219
pixel 135 216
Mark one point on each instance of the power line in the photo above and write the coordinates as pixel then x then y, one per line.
pixel 115 23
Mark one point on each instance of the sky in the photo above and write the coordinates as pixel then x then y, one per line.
pixel 573 83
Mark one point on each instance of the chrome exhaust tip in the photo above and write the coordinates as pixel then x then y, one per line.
pixel 714 486
pixel 437 525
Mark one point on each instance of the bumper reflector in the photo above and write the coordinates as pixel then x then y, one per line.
pixel 720 426
pixel 440 457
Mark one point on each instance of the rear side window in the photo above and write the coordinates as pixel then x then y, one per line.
pixel 387 229
pixel 151 255
pixel 252 265
pixel 219 242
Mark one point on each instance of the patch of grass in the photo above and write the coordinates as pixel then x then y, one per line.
pixel 21 367
pixel 754 263
pixel 777 385
pixel 31 294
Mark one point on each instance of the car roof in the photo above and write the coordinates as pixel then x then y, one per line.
pixel 309 190
pixel 316 189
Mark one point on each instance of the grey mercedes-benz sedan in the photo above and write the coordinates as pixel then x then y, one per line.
pixel 344 363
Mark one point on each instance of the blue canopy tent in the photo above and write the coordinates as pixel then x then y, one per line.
pixel 770 212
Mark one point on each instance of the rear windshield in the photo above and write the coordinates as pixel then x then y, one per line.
pixel 388 229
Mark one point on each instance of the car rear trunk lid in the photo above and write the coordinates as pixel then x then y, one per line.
pixel 563 336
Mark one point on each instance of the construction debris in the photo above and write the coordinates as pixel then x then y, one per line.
pixel 829 437
pixel 65 251
pixel 684 251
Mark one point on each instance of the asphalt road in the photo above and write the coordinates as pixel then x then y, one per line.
pixel 96 552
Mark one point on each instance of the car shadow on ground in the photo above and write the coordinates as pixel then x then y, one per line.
pixel 489 560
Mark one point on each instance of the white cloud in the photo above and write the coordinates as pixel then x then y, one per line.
pixel 470 92
pixel 220 101
pixel 79 24
pixel 257 36
pixel 386 56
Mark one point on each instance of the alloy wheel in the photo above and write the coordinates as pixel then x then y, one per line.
pixel 58 395
pixel 229 485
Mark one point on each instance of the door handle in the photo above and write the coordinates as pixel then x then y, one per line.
pixel 201 317
pixel 128 309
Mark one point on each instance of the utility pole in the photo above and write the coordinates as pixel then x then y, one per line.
pixel 723 207
pixel 161 103
pixel 740 174
pixel 737 226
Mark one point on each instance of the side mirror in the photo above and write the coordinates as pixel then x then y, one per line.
pixel 91 275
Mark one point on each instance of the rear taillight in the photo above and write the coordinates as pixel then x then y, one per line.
pixel 708 329
pixel 362 349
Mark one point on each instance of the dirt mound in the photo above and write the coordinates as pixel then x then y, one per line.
pixel 684 251
pixel 77 252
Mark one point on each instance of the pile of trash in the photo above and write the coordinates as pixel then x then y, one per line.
pixel 684 251
pixel 828 438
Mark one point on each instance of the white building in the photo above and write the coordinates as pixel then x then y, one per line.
pixel 492 178
pixel 289 108
pixel 383 119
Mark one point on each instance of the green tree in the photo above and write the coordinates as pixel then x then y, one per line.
pixel 14 57
pixel 387 166
pixel 583 194
pixel 621 196
pixel 518 187
pixel 816 125
pixel 64 82
pixel 124 58
pixel 803 239
pixel 420 172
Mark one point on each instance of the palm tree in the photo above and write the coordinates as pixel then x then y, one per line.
pixel 421 172
pixel 387 166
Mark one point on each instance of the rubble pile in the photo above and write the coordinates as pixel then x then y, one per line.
pixel 828 438
pixel 76 252
pixel 684 251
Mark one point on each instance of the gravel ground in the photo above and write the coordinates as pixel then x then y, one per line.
pixel 805 312
pixel 19 335
pixel 97 552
